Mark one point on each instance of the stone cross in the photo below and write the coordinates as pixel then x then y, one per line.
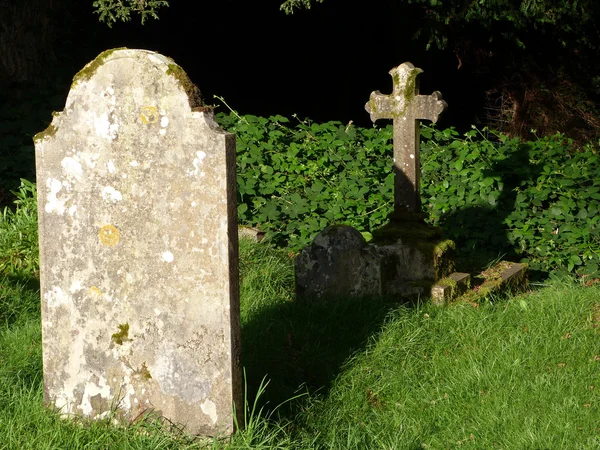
pixel 138 249
pixel 406 107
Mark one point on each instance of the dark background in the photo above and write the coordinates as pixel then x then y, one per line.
pixel 320 63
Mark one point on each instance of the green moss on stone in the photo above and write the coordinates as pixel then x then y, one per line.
pixel 409 90
pixel 394 230
pixel 449 282
pixel 495 282
pixel 90 68
pixel 47 133
pixel 143 372
pixel 424 238
pixel 122 335
pixel 186 84
pixel 411 85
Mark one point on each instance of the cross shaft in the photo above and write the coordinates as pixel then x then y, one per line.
pixel 406 107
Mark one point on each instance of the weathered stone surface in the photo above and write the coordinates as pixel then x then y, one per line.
pixel 337 263
pixel 253 234
pixel 516 277
pixel 450 287
pixel 340 263
pixel 138 248
pixel 504 276
pixel 406 107
pixel 407 257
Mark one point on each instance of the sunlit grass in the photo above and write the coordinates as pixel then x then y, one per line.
pixel 516 373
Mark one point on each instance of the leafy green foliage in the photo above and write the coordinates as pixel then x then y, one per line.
pixel 289 6
pixel 293 181
pixel 506 20
pixel 536 201
pixel 566 22
pixel 19 254
pixel 539 199
pixel 112 10
pixel 19 260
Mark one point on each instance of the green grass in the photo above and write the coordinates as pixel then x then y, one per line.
pixel 514 373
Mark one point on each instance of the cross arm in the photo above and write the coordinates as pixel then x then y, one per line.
pixel 429 107
pixel 379 106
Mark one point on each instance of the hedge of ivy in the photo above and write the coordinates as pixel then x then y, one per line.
pixel 492 194
pixel 538 201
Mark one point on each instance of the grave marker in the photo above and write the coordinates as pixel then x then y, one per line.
pixel 406 107
pixel 406 256
pixel 138 249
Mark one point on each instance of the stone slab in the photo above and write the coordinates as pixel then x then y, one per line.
pixel 138 249
pixel 253 234
pixel 449 288
pixel 504 276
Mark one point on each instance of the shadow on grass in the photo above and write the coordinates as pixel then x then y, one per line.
pixel 301 347
pixel 19 299
pixel 481 232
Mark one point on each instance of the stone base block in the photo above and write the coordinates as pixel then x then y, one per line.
pixel 403 259
pixel 450 287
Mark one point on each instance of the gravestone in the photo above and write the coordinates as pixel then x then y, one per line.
pixel 406 256
pixel 138 249
pixel 406 107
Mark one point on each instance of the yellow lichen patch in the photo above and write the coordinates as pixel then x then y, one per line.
pixel 109 235
pixel 149 114
pixel 94 292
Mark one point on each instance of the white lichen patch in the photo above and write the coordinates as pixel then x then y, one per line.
pixel 210 409
pixel 159 59
pixel 128 389
pixel 85 158
pixel 72 167
pixel 54 204
pixel 110 194
pixel 104 128
pixel 168 257
pixel 412 156
pixel 75 286
pixel 197 163
pixel 55 297
pixel 110 165
pixel 164 121
pixel 134 163
pixel 91 390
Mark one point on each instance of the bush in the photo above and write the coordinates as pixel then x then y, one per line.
pixel 539 199
pixel 293 181
pixel 536 200
pixel 19 253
